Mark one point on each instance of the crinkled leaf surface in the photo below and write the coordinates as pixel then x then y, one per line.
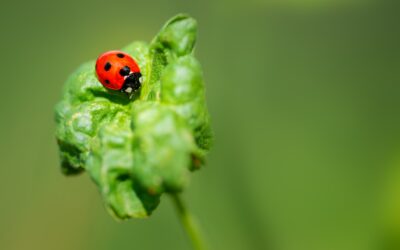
pixel 136 149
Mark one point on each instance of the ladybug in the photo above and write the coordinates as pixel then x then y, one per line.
pixel 117 70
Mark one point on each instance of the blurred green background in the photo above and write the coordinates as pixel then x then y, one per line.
pixel 304 97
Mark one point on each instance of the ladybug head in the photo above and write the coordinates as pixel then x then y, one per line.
pixel 132 83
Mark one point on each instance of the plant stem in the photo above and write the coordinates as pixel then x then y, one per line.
pixel 189 223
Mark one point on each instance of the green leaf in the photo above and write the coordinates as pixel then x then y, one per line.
pixel 137 149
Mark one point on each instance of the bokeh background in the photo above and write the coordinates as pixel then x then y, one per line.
pixel 304 97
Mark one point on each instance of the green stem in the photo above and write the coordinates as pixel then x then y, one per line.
pixel 189 223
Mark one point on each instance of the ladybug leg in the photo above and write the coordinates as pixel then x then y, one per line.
pixel 132 83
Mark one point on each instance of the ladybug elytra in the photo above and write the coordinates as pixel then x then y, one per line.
pixel 117 70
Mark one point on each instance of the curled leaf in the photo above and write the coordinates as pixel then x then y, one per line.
pixel 137 149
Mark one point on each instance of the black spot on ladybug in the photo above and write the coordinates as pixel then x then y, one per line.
pixel 107 66
pixel 120 55
pixel 125 71
pixel 107 81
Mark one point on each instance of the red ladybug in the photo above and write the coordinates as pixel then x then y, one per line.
pixel 116 70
